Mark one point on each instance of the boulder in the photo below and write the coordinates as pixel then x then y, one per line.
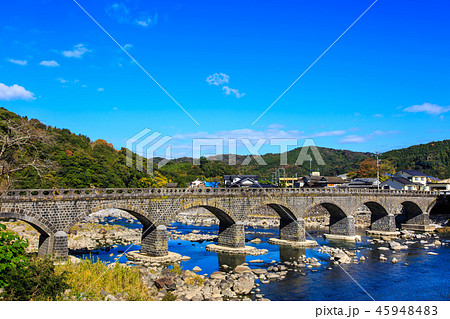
pixel 255 241
pixel 342 257
pixel 241 269
pixel 272 276
pixel 217 275
pixel 243 285
pixel 196 269
pixel 165 282
pixel 259 271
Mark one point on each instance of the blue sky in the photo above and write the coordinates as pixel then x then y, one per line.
pixel 383 85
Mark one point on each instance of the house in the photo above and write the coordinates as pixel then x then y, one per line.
pixel 413 176
pixel 197 183
pixel 240 180
pixel 363 183
pixel 331 181
pixel 401 183
pixel 441 185
pixel 322 181
pixel 292 181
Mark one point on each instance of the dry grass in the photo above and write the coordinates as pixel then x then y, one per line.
pixel 91 278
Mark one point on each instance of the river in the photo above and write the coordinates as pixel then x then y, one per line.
pixel 417 275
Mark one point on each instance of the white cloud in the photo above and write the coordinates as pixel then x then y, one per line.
pixel 100 89
pixel 49 63
pixel 428 108
pixel 229 91
pixel 352 139
pixel 14 92
pixel 147 20
pixel 124 14
pixel 19 62
pixel 218 79
pixel 119 12
pixel 127 46
pixel 329 133
pixel 77 51
pixel 62 80
pixel 378 115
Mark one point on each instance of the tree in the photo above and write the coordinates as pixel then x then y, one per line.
pixel 155 181
pixel 35 280
pixel 12 252
pixel 22 278
pixel 19 149
pixel 368 169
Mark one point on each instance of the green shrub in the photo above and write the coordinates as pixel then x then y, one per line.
pixel 35 280
pixel 169 297
pixel 12 252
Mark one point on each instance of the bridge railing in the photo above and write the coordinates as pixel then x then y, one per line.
pixel 21 194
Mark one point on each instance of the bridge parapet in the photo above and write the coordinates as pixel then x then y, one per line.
pixel 40 194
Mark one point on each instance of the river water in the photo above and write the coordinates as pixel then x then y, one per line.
pixel 425 277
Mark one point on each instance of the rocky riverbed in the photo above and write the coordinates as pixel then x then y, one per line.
pixel 249 278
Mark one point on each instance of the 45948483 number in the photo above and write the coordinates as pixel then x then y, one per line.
pixel 407 310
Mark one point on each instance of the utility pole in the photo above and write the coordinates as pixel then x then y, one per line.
pixel 378 170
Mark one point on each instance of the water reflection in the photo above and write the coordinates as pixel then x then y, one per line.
pixel 290 253
pixel 229 260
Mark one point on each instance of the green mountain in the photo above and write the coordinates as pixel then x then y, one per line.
pixel 432 158
pixel 33 155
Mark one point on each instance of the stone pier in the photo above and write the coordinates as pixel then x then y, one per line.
pixel 386 223
pixel 343 229
pixel 292 230
pixel 292 233
pixel 56 245
pixel 232 235
pixel 155 241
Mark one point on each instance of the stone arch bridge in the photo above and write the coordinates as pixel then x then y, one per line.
pixel 54 212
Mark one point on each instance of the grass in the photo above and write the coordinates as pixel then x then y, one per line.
pixel 91 278
pixel 195 280
pixel 176 269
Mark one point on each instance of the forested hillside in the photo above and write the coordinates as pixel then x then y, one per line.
pixel 33 155
pixel 432 158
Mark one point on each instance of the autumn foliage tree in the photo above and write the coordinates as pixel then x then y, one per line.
pixel 368 169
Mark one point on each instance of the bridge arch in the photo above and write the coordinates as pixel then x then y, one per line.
pixel 231 230
pixel 219 212
pixel 154 238
pixel 439 210
pixel 340 223
pixel 409 213
pixel 36 222
pixel 45 229
pixel 291 227
pixel 380 219
pixel 134 211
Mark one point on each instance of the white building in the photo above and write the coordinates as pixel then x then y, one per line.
pixel 413 176
pixel 401 183
pixel 197 183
